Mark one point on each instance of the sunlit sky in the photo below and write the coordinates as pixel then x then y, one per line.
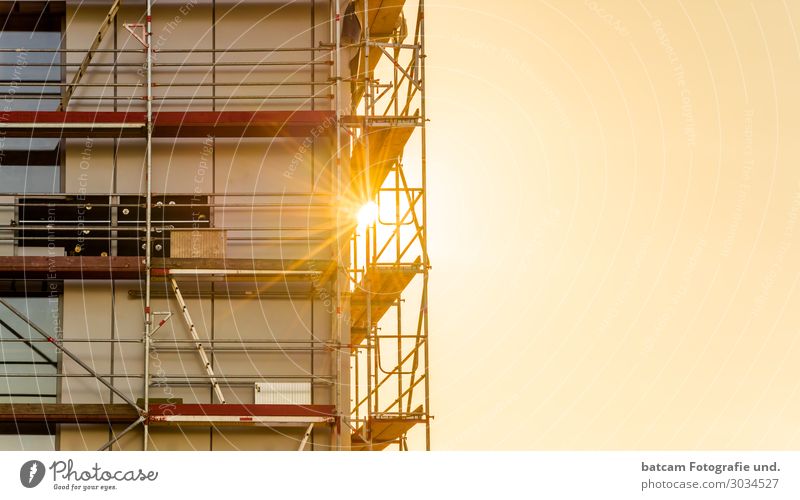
pixel 613 207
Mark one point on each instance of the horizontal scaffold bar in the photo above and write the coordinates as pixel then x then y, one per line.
pixel 20 414
pixel 67 413
pixel 166 123
pixel 68 267
pixel 240 414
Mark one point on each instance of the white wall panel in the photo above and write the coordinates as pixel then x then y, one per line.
pixel 251 165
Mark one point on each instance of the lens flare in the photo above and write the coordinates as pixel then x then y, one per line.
pixel 367 214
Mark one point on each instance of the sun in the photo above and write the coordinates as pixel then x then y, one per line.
pixel 367 214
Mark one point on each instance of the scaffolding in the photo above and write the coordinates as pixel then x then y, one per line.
pixel 377 113
pixel 389 337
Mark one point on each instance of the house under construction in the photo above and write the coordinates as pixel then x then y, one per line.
pixel 213 225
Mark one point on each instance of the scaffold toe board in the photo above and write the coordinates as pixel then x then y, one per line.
pixel 385 285
pixel 240 415
pixel 386 430
pixel 116 267
pixel 386 145
pixel 165 123
pixel 384 16
pixel 68 267
pixel 67 413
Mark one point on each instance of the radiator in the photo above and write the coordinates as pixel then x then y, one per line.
pixel 283 393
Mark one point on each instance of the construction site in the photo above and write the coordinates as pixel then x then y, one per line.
pixel 213 226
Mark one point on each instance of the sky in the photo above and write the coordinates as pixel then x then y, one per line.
pixel 613 210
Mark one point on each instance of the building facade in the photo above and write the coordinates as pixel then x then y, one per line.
pixel 211 225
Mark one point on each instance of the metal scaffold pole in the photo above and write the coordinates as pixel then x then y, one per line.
pixel 425 260
pixel 368 190
pixel 340 267
pixel 148 317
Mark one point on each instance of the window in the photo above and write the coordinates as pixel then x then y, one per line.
pixel 29 68
pixel 26 67
pixel 24 352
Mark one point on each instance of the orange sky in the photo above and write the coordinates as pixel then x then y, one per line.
pixel 614 200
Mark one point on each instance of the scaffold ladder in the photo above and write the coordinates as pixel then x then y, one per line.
pixel 198 344
pixel 87 59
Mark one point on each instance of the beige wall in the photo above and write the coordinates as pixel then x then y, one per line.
pixel 254 165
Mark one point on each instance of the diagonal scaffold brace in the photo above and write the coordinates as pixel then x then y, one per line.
pixel 119 435
pixel 60 346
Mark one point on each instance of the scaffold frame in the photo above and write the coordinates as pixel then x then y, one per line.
pixel 378 110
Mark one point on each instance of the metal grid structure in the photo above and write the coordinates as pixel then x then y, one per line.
pixel 378 111
pixel 389 337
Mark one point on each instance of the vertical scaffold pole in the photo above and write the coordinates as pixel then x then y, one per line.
pixel 148 318
pixel 365 282
pixel 425 261
pixel 337 35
